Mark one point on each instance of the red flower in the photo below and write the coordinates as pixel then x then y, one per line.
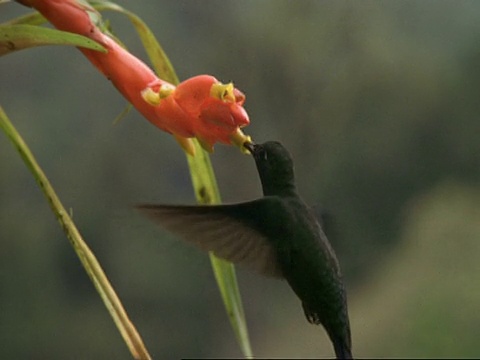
pixel 199 107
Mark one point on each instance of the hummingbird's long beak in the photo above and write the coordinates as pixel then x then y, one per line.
pixel 250 146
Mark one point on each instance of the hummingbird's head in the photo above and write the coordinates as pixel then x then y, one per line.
pixel 275 167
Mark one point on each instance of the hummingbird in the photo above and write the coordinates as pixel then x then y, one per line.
pixel 277 235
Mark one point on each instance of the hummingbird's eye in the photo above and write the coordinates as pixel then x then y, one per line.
pixel 262 154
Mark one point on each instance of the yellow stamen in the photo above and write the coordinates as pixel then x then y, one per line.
pixel 223 92
pixel 153 98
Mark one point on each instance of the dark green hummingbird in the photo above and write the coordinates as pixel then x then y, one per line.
pixel 277 235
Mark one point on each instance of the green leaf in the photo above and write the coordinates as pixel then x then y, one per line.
pixel 206 192
pixel 87 258
pixel 19 37
pixel 203 179
pixel 157 56
pixel 34 18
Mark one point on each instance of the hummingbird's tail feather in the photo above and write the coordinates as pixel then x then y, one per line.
pixel 342 350
pixel 341 341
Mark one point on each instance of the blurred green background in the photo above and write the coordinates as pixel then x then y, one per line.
pixel 378 104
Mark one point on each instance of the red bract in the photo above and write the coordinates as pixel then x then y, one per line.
pixel 199 107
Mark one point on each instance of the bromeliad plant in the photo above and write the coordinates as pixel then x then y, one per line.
pixel 198 112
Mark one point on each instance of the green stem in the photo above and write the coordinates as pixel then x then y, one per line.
pixel 205 187
pixel 203 177
pixel 206 192
pixel 87 258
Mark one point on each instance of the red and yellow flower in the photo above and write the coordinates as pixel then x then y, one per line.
pixel 200 107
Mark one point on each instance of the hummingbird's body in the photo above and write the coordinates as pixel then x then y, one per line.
pixel 277 235
pixel 311 268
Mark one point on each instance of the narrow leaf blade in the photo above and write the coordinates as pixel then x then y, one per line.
pixel 87 258
pixel 157 56
pixel 19 37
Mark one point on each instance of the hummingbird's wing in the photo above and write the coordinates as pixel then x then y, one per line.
pixel 231 232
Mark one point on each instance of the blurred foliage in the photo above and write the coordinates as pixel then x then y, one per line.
pixel 377 102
